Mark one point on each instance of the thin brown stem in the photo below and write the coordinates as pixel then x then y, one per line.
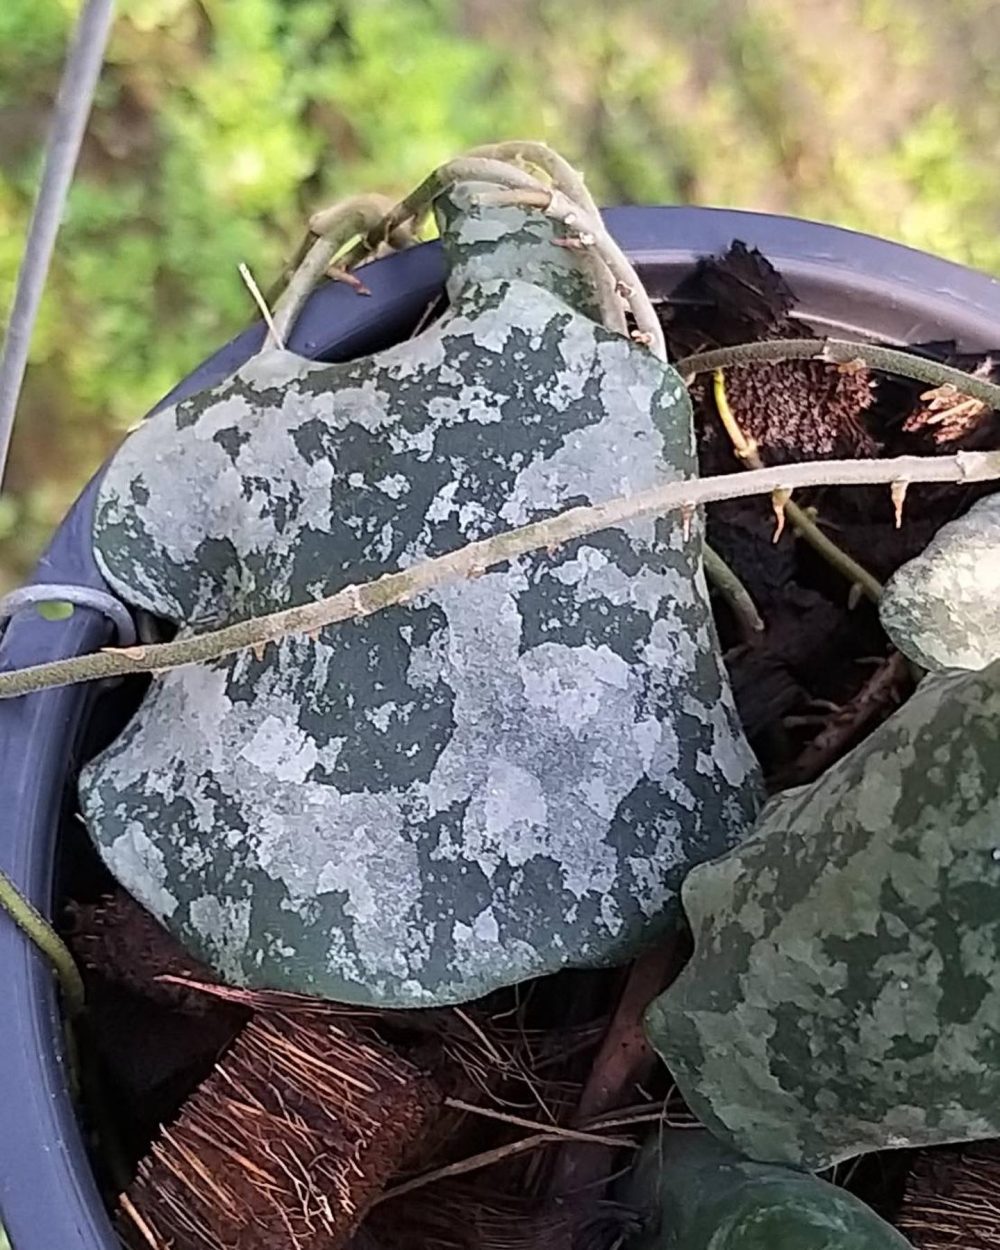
pixel 877 697
pixel 147 1234
pixel 474 1163
pixel 333 229
pixel 626 281
pixel 476 558
pixel 623 1062
pixel 570 1134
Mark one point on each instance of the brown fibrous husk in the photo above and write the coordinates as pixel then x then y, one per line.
pixel 456 1216
pixel 123 942
pixel 952 1199
pixel 286 1144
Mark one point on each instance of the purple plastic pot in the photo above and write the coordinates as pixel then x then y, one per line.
pixel 847 284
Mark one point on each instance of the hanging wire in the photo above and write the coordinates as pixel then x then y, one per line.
pixel 76 94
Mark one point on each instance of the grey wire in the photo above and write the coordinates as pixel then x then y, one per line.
pixel 76 94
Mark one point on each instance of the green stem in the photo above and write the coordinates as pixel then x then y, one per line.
pixel 843 351
pixel 809 531
pixel 798 518
pixel 734 592
pixel 32 923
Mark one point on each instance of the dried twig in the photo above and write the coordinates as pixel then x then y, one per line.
pixel 570 1134
pixel 147 1234
pixel 475 1163
pixel 875 698
pixel 646 1113
pixel 475 558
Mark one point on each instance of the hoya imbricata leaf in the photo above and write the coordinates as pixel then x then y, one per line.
pixel 844 992
pixel 498 779
pixel 698 1195
pixel 942 609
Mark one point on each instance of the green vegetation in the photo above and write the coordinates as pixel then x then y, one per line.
pixel 221 123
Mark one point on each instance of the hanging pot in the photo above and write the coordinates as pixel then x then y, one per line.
pixel 846 285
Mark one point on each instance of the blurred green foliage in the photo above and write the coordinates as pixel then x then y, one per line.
pixel 221 123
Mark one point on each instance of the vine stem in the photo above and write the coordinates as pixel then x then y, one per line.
pixel 332 230
pixel 561 173
pixel 734 592
pixel 34 925
pixel 842 352
pixel 415 205
pixel 37 929
pixel 475 558
pixel 798 518
pixel 566 200
pixel 594 237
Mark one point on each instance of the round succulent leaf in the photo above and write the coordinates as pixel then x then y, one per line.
pixel 844 991
pixel 701 1196
pixel 493 781
pixel 942 608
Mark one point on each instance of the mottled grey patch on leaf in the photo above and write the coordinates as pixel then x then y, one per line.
pixel 843 995
pixel 464 792
pixel 942 609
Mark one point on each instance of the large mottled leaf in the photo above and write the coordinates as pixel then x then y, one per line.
pixel 844 992
pixel 942 608
pixel 698 1195
pixel 496 780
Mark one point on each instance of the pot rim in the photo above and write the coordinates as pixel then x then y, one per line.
pixel 846 284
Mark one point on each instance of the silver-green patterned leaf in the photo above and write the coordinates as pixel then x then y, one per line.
pixel 844 992
pixel 701 1196
pixel 496 780
pixel 942 609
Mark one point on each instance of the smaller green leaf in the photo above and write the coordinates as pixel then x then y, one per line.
pixel 698 1195
pixel 55 610
pixel 844 991
pixel 942 608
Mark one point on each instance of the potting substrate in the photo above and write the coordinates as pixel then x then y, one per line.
pixel 435 1037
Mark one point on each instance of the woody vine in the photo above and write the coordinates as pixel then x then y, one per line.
pixel 343 237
